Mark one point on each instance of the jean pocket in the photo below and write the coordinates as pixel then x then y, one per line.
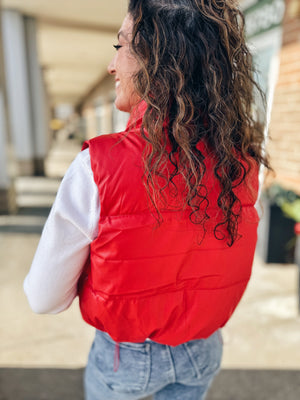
pixel 206 355
pixel 133 364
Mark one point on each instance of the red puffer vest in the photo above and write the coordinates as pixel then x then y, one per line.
pixel 167 282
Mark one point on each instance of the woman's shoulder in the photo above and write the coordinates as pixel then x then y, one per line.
pixel 101 140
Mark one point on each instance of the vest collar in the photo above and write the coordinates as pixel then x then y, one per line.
pixel 136 116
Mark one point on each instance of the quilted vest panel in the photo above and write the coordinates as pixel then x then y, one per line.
pixel 170 282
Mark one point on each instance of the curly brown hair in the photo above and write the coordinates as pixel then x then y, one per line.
pixel 197 74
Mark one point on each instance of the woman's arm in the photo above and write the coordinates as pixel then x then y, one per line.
pixel 51 284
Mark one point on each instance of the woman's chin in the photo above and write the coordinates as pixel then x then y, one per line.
pixel 122 105
pixel 127 105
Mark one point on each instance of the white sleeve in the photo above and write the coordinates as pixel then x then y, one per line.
pixel 51 284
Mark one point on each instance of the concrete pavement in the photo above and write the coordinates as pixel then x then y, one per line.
pixel 41 357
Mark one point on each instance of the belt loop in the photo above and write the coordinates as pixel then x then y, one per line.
pixel 117 357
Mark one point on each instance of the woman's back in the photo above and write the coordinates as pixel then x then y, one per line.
pixel 174 280
pixel 159 240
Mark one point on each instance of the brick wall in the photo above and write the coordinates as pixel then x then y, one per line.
pixel 291 33
pixel 284 146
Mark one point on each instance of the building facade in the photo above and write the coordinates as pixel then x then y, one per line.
pixel 273 33
pixel 284 143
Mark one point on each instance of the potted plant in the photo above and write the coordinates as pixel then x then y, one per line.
pixel 282 210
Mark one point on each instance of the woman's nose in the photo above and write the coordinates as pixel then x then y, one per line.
pixel 111 67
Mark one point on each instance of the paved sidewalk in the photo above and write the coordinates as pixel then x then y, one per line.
pixel 42 356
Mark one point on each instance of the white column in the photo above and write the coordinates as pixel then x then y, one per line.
pixel 7 193
pixel 4 178
pixel 38 98
pixel 18 93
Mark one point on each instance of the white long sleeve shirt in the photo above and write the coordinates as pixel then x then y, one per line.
pixel 51 284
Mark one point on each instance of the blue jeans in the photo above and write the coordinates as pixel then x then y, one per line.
pixel 137 370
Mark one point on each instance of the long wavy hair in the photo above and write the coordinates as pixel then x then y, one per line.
pixel 197 74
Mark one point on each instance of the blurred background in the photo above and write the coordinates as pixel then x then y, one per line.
pixel 54 94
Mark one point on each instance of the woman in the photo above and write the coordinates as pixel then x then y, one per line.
pixel 166 263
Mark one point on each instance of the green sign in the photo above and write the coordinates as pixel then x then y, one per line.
pixel 263 16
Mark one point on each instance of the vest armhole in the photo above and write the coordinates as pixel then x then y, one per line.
pixel 85 145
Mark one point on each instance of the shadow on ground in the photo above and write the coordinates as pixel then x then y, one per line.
pixel 35 196
pixel 66 384
pixel 29 220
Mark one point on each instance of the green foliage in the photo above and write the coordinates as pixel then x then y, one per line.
pixel 292 210
pixel 287 200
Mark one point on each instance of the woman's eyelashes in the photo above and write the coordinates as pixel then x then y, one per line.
pixel 117 46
